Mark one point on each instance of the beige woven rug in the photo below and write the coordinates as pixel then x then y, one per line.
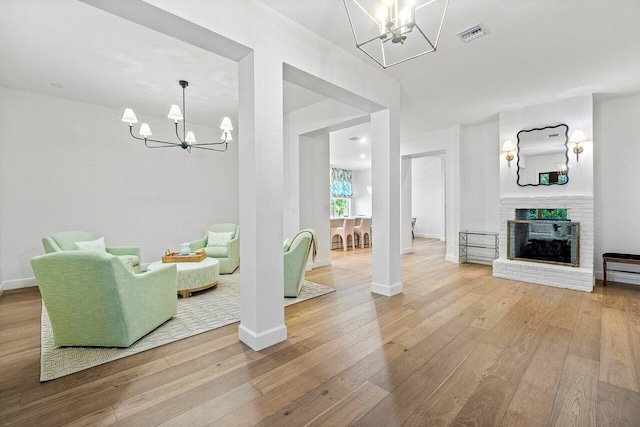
pixel 200 313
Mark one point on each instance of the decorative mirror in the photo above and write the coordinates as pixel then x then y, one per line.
pixel 542 156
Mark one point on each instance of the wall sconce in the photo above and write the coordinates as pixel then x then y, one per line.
pixel 577 137
pixel 508 146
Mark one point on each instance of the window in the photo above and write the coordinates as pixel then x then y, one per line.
pixel 546 214
pixel 340 206
pixel 341 192
pixel 341 183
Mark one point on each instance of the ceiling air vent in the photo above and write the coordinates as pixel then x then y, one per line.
pixel 354 138
pixel 473 33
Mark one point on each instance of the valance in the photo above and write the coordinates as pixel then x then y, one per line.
pixel 341 183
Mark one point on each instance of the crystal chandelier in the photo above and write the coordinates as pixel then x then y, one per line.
pixel 383 28
pixel 188 139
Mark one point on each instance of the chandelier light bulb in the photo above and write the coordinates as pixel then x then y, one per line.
pixel 129 116
pixel 226 136
pixel 190 138
pixel 404 16
pixel 145 130
pixel 384 29
pixel 175 113
pixel 226 124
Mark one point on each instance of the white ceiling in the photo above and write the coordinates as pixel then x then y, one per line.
pixel 347 154
pixel 537 51
pixel 102 59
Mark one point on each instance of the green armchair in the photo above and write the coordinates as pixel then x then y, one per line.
pixel 94 300
pixel 65 241
pixel 227 252
pixel 296 256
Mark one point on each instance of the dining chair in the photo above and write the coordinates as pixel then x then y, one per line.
pixel 363 228
pixel 344 232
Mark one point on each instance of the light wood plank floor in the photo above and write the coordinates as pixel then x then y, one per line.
pixel 458 347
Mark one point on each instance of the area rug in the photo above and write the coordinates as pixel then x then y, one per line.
pixel 200 313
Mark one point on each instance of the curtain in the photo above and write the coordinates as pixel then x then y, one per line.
pixel 341 183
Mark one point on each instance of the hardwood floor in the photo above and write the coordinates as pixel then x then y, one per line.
pixel 457 347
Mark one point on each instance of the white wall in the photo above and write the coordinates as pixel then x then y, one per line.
pixel 480 180
pixel 66 165
pixel 405 205
pixel 427 196
pixel 447 142
pixel 361 201
pixel 315 193
pixel 3 120
pixel 617 206
pixel 317 119
pixel 576 196
pixel 577 113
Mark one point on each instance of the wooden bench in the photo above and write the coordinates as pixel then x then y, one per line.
pixel 619 258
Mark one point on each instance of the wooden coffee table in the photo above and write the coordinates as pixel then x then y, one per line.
pixel 193 276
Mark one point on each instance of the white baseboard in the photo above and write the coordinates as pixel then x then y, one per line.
pixel 453 258
pixel 18 284
pixel 385 290
pixel 406 250
pixel 264 339
pixel 429 236
pixel 320 263
pixel 618 276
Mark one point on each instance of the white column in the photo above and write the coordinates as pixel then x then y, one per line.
pixel 314 194
pixel 385 182
pixel 405 208
pixel 261 201
pixel 452 188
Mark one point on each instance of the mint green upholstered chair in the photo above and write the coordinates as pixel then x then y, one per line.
pixel 228 254
pixel 65 241
pixel 94 300
pixel 295 262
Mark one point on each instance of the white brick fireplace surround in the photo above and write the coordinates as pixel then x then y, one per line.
pixel 579 209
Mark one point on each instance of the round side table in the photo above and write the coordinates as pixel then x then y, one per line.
pixel 194 276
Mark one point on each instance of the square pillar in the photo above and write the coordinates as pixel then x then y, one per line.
pixel 261 186
pixel 385 182
pixel 406 204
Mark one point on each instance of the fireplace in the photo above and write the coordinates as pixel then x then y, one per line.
pixel 580 210
pixel 548 241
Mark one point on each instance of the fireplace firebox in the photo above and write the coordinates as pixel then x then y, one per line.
pixel 548 241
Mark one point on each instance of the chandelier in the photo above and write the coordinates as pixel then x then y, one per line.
pixel 394 31
pixel 188 139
